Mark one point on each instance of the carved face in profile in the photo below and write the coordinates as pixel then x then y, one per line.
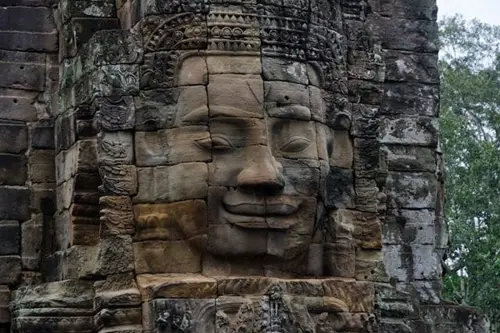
pixel 254 146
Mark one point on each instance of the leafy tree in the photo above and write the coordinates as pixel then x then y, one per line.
pixel 470 129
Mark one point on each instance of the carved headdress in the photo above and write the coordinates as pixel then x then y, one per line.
pixel 299 30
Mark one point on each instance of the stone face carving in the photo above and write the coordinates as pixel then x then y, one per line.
pixel 218 169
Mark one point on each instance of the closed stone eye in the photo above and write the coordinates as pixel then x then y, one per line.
pixel 295 144
pixel 216 142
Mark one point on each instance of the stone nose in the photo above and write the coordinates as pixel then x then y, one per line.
pixel 262 172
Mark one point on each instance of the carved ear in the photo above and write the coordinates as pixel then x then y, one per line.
pixel 315 74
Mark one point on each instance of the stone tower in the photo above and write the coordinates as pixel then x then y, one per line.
pixel 220 166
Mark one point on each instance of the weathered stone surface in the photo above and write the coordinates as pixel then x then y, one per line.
pixel 408 66
pixel 14 169
pixel 115 148
pixel 231 65
pixel 14 203
pixel 260 143
pixel 22 70
pixel 119 179
pixel 276 69
pixel 11 269
pixel 13 137
pixel 115 255
pixel 172 146
pixel 410 99
pixel 118 290
pixel 177 286
pixel 194 70
pixel 42 167
pixel 116 215
pixel 409 158
pixel 10 237
pixel 17 104
pixel 114 113
pixel 166 257
pixel 358 296
pixel 411 189
pixel 409 35
pixel 201 314
pixel 420 131
pixel 167 184
pixel 175 221
pixel 243 92
pixel 340 191
pixel 31 242
pixel 4 305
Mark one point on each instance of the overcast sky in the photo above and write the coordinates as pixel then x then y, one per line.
pixel 487 11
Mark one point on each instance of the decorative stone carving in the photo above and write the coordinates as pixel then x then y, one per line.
pixel 225 166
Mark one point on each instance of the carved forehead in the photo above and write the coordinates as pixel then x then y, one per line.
pixel 193 68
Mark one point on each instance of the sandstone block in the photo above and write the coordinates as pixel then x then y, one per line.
pixel 421 10
pixel 113 80
pixel 79 262
pixel 411 190
pixel 358 296
pixel 202 312
pixel 412 99
pixel 233 64
pixel 409 35
pixel 166 257
pixel 14 169
pixel 43 135
pixel 176 221
pixel 365 122
pixel 42 168
pixel 114 113
pixel 10 237
pixel 13 137
pixel 340 190
pixel 116 215
pixel 21 70
pixel 409 158
pixel 4 305
pixel 342 155
pixel 31 242
pixel 276 69
pixel 154 286
pixel 114 148
pixel 87 8
pixel 115 255
pixel 118 318
pixel 119 179
pixel 408 66
pixel 118 290
pixel 11 269
pixel 43 199
pixel 339 259
pixel 422 131
pixel 65 130
pixel 237 91
pixel 194 71
pixel 287 100
pixel 172 146
pixel 172 183
pixel 14 203
pixel 17 104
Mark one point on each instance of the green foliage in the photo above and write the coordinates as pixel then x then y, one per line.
pixel 470 127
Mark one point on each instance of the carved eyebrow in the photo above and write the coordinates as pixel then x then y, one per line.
pixel 198 115
pixel 229 111
pixel 291 111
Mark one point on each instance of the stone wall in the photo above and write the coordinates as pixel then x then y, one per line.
pixel 28 79
pixel 57 136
